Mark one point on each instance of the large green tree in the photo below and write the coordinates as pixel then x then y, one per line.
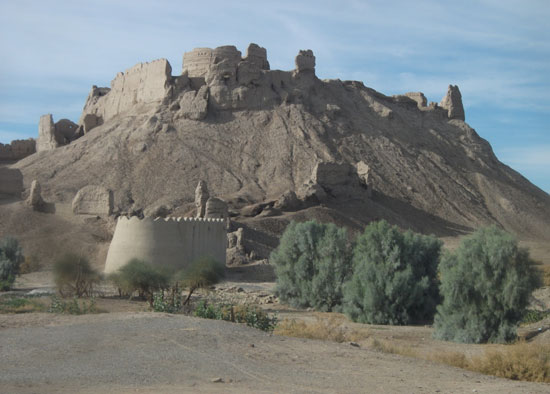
pixel 486 284
pixel 394 276
pixel 312 263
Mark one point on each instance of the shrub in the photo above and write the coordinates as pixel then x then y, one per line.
pixel 169 303
pixel 17 304
pixel 141 277
pixel 201 273
pixel 312 262
pixel 11 258
pixel 73 275
pixel 252 316
pixel 486 284
pixel 395 277
pixel 73 307
pixel 532 316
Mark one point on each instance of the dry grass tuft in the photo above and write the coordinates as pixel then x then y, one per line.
pixel 545 274
pixel 389 347
pixel 330 329
pixel 520 361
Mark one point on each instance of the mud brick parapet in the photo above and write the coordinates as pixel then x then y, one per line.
pixel 171 242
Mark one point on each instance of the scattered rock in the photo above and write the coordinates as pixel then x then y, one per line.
pixel 216 208
pixel 17 149
pixel 46 134
pixel 93 200
pixel 419 97
pixel 194 105
pixel 35 198
pixel 452 102
pixel 66 130
pixel 305 61
pixel 288 202
pixel 201 197
pixel 91 121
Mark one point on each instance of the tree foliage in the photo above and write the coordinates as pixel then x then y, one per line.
pixel 141 277
pixel 312 262
pixel 203 272
pixel 395 277
pixel 11 257
pixel 73 275
pixel 486 284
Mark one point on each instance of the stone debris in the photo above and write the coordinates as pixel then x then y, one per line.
pixel 305 61
pixel 216 208
pixel 35 198
pixel 66 131
pixel 47 139
pixel 194 105
pixel 236 252
pixel 201 197
pixel 452 102
pixel 288 202
pixel 93 200
pixel 17 149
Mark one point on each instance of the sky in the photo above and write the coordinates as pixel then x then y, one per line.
pixel 496 51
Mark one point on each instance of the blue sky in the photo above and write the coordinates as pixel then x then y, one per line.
pixel 497 51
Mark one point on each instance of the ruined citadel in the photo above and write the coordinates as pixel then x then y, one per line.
pixel 273 146
pixel 217 78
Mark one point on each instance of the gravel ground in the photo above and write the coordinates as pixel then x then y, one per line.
pixel 160 353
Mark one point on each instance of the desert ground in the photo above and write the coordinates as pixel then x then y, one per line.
pixel 130 349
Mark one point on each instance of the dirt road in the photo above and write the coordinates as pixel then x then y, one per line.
pixel 159 353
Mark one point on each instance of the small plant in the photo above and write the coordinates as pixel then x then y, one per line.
pixel 11 257
pixel 532 316
pixel 395 277
pixel 486 284
pixel 73 307
pixel 312 262
pixel 207 311
pixel 141 277
pixel 169 303
pixel 252 316
pixel 201 273
pixel 73 275
pixel 15 304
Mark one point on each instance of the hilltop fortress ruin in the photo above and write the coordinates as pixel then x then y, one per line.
pixel 273 146
pixel 215 79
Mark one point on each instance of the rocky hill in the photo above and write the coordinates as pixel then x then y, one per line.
pixel 278 145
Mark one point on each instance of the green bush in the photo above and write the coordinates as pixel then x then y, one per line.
pixel 11 258
pixel 201 273
pixel 486 284
pixel 141 277
pixel 252 316
pixel 532 316
pixel 395 277
pixel 72 307
pixel 312 262
pixel 167 302
pixel 73 275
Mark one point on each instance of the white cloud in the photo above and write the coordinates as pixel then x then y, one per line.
pixel 526 157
